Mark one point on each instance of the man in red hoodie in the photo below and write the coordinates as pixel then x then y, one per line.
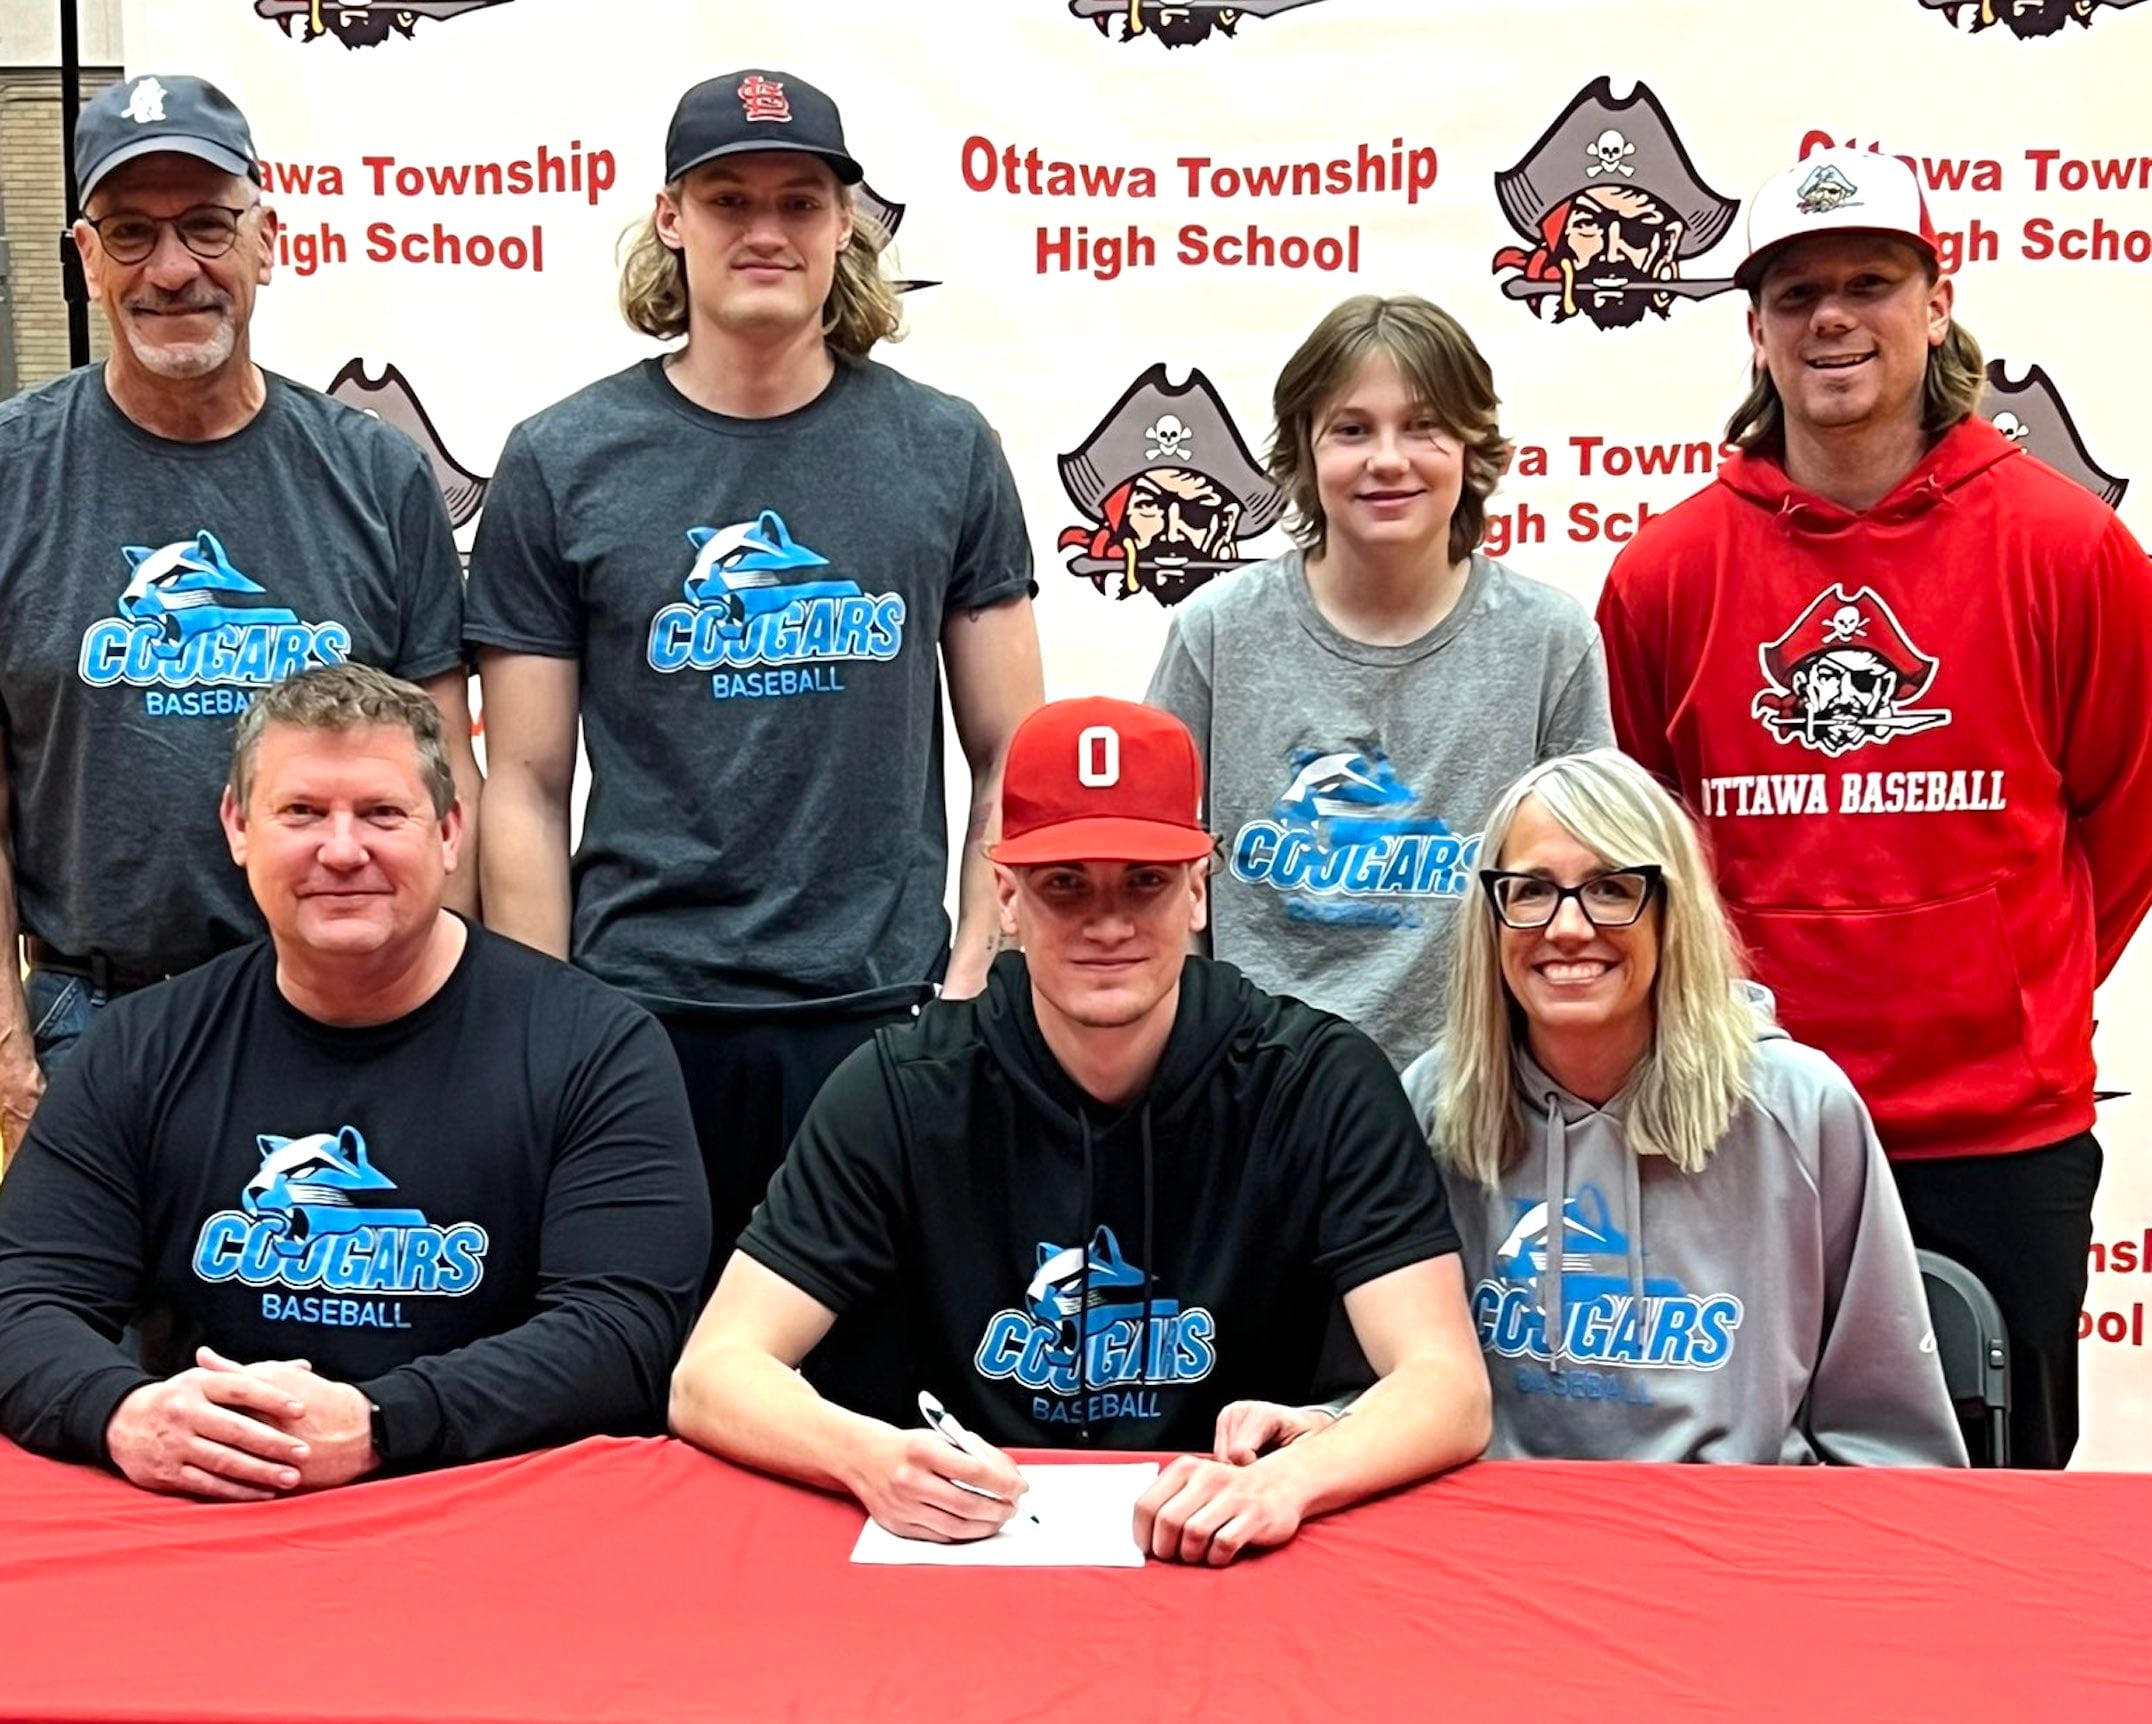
pixel 1899 668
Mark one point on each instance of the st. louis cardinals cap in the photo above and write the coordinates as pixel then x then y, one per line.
pixel 1099 780
pixel 1835 191
pixel 756 110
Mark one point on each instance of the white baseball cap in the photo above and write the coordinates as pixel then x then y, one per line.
pixel 1836 191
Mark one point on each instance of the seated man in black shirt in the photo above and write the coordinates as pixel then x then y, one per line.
pixel 455 1178
pixel 1110 1203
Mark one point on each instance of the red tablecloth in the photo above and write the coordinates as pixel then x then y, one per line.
pixel 642 1581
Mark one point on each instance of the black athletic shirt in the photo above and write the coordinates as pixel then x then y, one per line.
pixel 953 1183
pixel 489 1214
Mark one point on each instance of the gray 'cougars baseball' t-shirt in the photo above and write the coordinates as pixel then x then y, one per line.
pixel 1350 781
pixel 757 606
pixel 148 591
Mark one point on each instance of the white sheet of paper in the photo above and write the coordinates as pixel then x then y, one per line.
pixel 1085 1510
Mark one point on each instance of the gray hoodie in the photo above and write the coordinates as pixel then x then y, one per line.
pixel 1782 1318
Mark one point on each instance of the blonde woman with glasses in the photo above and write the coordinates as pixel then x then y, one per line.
pixel 1680 1235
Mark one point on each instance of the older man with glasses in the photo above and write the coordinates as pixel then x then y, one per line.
pixel 179 529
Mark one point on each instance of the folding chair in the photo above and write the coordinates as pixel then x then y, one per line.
pixel 1974 1350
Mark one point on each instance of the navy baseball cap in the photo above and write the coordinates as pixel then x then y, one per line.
pixel 150 115
pixel 756 110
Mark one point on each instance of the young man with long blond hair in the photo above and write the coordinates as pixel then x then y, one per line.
pixel 746 565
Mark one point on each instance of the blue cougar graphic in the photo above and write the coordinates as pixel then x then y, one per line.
pixel 309 1183
pixel 1348 796
pixel 1587 1241
pixel 1055 1296
pixel 754 567
pixel 189 588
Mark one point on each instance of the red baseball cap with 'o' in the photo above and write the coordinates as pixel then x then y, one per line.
pixel 1099 780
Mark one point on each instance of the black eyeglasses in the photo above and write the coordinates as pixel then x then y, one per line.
pixel 207 230
pixel 1614 899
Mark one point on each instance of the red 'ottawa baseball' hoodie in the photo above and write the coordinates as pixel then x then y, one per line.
pixel 1918 737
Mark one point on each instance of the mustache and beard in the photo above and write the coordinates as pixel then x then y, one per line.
pixel 180 359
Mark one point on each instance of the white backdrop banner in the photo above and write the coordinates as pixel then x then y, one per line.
pixel 1118 218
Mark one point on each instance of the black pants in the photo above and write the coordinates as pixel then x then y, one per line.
pixel 2023 1224
pixel 749 1081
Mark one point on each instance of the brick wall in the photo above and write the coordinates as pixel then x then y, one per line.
pixel 33 203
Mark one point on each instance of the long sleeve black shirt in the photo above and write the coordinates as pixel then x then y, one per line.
pixel 489 1215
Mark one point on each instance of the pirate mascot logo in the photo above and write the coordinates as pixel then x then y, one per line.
pixel 1825 190
pixel 2021 17
pixel 392 400
pixel 2031 414
pixel 361 23
pixel 1169 489
pixel 1845 675
pixel 1613 209
pixel 1178 23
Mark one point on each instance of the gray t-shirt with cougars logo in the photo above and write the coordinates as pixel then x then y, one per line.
pixel 756 606
pixel 148 591
pixel 1350 781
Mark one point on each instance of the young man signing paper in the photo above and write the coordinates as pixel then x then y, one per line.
pixel 1109 1204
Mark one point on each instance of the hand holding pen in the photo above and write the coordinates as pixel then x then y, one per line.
pixel 939 1418
pixel 926 1484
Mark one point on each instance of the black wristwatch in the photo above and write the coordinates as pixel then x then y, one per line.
pixel 378 1422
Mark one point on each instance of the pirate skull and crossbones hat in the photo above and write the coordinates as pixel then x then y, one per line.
pixel 1572 156
pixel 2046 429
pixel 1125 443
pixel 1841 621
